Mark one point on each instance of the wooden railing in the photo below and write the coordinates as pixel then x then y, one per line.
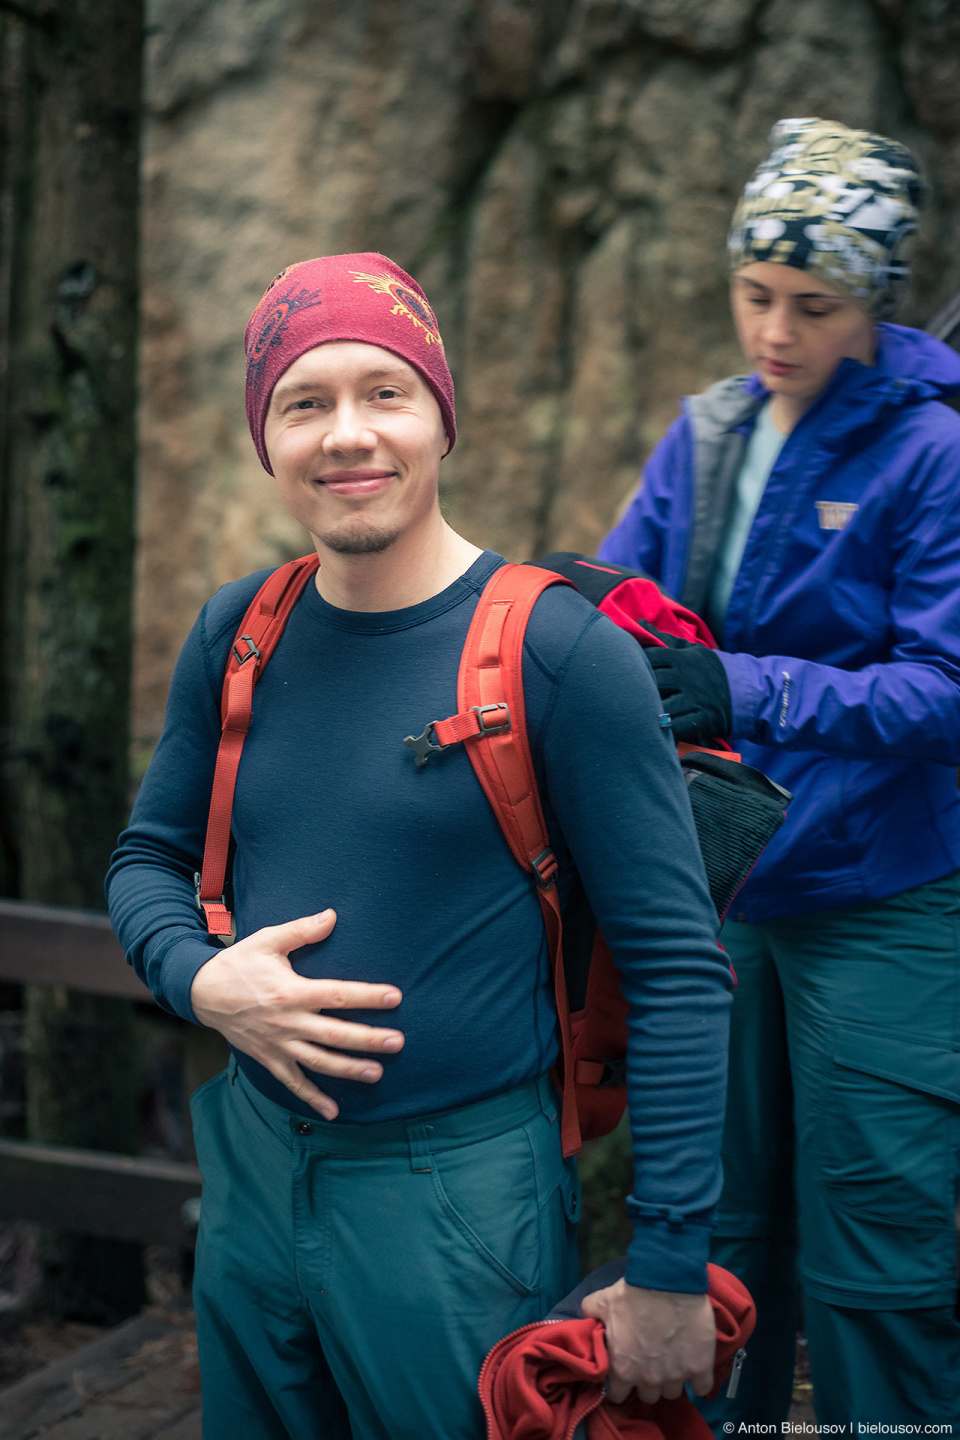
pixel 90 1191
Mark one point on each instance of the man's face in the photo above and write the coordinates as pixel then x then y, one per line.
pixel 355 438
pixel 795 328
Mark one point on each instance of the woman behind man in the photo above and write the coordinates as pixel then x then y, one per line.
pixel 812 512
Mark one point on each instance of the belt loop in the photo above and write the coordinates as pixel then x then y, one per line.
pixel 420 1156
pixel 232 1068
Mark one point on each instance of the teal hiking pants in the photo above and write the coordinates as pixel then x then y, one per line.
pixel 350 1279
pixel 842 1158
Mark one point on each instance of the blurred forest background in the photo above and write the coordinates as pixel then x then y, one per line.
pixel 558 174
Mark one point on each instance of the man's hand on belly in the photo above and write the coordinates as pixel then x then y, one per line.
pixel 656 1340
pixel 253 996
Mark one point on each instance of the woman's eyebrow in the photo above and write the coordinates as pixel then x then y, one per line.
pixel 797 295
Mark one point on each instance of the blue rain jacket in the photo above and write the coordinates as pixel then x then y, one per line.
pixel 841 641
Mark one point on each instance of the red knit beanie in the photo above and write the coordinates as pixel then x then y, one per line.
pixel 342 297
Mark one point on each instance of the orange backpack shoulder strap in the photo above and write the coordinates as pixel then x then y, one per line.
pixel 490 687
pixel 254 643
pixel 491 681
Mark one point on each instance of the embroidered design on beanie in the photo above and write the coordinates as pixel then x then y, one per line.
pixel 406 303
pixel 275 323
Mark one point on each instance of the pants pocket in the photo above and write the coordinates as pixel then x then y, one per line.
pixel 890 1126
pixel 937 898
pixel 198 1096
pixel 488 1192
pixel 204 1102
pixel 877 1217
pixel 503 1197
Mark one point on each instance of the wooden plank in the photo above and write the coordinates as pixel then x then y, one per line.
pixel 122 1197
pixel 189 1428
pixel 50 945
pixel 125 1415
pixel 67 1386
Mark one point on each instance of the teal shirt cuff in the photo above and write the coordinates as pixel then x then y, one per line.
pixel 665 1255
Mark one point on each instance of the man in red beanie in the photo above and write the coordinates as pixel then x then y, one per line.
pixel 366 1240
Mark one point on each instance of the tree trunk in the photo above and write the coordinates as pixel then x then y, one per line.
pixel 68 268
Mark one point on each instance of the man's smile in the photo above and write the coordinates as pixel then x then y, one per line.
pixel 356 482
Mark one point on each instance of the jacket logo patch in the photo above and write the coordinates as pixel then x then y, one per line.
pixel 834 514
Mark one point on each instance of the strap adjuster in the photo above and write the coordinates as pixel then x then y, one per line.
pixel 545 869
pixel 481 710
pixel 197 879
pixel 252 653
pixel 216 913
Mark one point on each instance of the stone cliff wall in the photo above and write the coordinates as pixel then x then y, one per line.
pixel 559 175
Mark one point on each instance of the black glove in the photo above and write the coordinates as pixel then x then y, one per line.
pixel 694 692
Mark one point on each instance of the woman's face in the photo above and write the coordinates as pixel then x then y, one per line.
pixel 795 328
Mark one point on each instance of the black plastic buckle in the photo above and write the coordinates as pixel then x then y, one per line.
pixel 252 653
pixel 423 745
pixel 485 729
pixel 541 865
pixel 197 878
pixel 614 1074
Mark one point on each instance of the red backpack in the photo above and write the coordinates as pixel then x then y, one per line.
pixel 491 722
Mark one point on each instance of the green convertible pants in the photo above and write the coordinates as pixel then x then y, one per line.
pixel 350 1279
pixel 843 1121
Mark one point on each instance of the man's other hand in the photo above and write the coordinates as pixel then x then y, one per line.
pixel 656 1341
pixel 253 996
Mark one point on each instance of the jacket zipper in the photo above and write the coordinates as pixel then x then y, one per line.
pixel 534 1325
pixel 733 1383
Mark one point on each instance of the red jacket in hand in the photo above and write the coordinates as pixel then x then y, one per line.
pixel 541 1382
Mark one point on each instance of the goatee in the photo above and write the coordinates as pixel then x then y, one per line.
pixel 360 539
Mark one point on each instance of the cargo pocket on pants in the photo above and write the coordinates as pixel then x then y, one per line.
pixel 883 1221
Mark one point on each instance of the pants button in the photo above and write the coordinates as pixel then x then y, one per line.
pixel 303 1127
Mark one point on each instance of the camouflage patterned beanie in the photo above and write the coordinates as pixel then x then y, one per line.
pixel 840 203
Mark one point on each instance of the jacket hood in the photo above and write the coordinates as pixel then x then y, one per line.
pixel 931 366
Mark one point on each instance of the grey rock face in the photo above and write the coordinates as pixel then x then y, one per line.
pixel 558 174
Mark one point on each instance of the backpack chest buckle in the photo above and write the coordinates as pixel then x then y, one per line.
pixel 423 746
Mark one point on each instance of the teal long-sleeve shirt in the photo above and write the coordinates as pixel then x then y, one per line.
pixel 330 809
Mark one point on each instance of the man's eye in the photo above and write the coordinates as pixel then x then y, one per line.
pixel 817 314
pixel 387 393
pixel 304 404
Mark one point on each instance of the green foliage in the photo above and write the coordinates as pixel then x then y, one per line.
pixel 84 1066
pixel 606 1176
